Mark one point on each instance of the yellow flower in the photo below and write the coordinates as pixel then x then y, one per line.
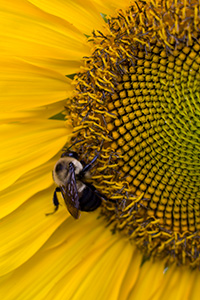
pixel 42 46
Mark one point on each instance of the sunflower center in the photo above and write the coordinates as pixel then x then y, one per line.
pixel 137 104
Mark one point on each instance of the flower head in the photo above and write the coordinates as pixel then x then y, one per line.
pixel 134 69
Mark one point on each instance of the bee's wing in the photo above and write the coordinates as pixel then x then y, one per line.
pixel 70 195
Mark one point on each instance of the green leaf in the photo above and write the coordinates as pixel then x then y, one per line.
pixel 71 76
pixel 60 116
pixel 104 17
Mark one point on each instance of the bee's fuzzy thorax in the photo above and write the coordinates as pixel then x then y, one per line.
pixel 60 171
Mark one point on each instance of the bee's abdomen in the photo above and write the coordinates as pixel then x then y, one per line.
pixel 89 200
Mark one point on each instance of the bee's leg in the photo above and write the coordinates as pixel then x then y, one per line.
pixel 103 197
pixel 87 167
pixel 55 198
pixel 83 163
pixel 98 194
pixel 55 201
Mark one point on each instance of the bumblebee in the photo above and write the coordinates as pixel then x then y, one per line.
pixel 70 176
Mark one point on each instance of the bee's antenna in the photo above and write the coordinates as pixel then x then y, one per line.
pixel 68 148
pixel 89 166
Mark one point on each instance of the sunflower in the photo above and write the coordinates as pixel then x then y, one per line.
pixel 119 80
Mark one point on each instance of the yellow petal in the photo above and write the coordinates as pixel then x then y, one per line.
pixel 81 260
pixel 54 110
pixel 83 14
pixel 149 279
pixel 179 284
pixel 28 145
pixel 25 187
pixel 154 283
pixel 131 275
pixel 109 7
pixel 25 230
pixel 25 86
pixel 63 66
pixel 109 269
pixel 195 290
pixel 39 37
